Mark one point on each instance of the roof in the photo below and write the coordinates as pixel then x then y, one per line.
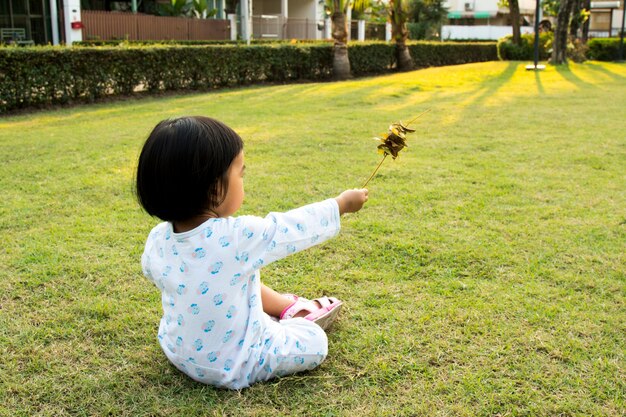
pixel 475 15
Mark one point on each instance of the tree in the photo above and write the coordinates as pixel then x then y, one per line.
pixel 579 18
pixel 586 10
pixel 338 9
pixel 580 15
pixel 514 14
pixel 201 9
pixel 427 17
pixel 175 8
pixel 559 45
pixel 515 21
pixel 398 14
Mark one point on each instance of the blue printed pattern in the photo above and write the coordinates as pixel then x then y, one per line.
pixel 213 326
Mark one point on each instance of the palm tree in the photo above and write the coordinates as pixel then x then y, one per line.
pixel 398 14
pixel 338 9
pixel 515 22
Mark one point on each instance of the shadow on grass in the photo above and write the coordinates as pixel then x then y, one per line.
pixel 408 100
pixel 566 72
pixel 491 85
pixel 615 76
pixel 540 88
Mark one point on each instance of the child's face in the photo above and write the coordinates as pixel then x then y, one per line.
pixel 234 196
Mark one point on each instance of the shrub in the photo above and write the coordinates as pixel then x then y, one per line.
pixel 430 54
pixel 577 51
pixel 508 51
pixel 371 57
pixel 603 49
pixel 42 76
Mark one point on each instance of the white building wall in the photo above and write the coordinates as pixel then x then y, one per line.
pixel 475 5
pixel 266 7
pixel 479 32
pixel 302 9
pixel 527 6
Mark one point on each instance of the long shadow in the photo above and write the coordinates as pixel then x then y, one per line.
pixel 604 70
pixel 489 86
pixel 566 72
pixel 539 83
pixel 482 92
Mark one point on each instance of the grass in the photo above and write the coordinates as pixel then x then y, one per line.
pixel 486 275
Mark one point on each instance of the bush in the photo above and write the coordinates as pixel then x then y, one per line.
pixel 417 30
pixel 371 57
pixel 508 51
pixel 432 54
pixel 42 76
pixel 603 49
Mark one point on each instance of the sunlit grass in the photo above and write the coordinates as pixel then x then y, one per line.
pixel 485 276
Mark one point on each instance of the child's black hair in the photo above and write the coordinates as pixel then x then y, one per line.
pixel 182 170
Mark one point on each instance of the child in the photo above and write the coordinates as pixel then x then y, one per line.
pixel 220 324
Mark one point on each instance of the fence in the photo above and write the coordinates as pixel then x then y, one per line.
pixel 280 27
pixel 119 25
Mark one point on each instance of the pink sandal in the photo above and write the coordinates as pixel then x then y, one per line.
pixel 323 316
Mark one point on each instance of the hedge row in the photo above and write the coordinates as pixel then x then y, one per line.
pixel 605 49
pixel 41 76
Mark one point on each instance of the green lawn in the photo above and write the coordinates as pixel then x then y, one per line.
pixel 486 276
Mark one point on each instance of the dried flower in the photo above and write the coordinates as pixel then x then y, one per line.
pixel 392 142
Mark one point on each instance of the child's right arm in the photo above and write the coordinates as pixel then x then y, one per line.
pixel 351 201
pixel 265 240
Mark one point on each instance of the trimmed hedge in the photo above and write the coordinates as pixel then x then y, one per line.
pixel 370 57
pixel 435 54
pixel 604 49
pixel 508 51
pixel 36 77
pixel 42 76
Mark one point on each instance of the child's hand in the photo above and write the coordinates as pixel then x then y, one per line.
pixel 351 201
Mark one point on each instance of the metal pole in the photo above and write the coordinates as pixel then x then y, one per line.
pixel 536 55
pixel 621 35
pixel 535 66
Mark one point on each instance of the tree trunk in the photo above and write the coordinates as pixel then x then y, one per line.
pixel 585 34
pixel 341 62
pixel 575 23
pixel 515 21
pixel 400 34
pixel 559 46
pixel 403 56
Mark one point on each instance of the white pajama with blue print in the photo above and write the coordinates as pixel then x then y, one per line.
pixel 213 326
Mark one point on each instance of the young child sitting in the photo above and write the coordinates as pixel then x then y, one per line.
pixel 220 324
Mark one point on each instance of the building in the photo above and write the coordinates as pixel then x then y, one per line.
pixel 483 19
pixel 44 21
pixel 34 16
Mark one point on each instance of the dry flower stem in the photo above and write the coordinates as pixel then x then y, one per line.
pixel 376 170
pixel 385 154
